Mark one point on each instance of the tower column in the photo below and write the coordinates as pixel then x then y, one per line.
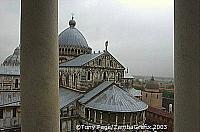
pixel 39 66
pixel 187 65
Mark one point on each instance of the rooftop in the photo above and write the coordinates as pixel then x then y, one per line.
pixel 110 97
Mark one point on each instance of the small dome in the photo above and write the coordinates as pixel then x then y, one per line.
pixel 152 84
pixel 72 37
pixel 14 59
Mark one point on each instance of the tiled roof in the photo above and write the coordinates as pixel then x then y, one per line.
pixel 160 112
pixel 81 60
pixel 67 96
pixel 9 70
pixel 109 97
pixel 95 91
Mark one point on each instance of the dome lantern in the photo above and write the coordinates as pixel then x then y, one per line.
pixel 72 22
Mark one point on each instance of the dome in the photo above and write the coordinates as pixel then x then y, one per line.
pixel 152 84
pixel 72 37
pixel 14 59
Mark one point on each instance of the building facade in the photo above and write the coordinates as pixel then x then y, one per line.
pixel 92 86
pixel 152 94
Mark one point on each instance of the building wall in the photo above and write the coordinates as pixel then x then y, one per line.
pixel 153 99
pixel 92 73
pixel 10 117
pixel 9 82
pixel 154 118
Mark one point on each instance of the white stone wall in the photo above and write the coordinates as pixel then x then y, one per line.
pixel 8 120
pixel 9 82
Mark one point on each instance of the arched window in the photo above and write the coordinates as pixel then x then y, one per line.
pixel 72 51
pixel 111 63
pixel 104 76
pixel 75 52
pixel 60 80
pixel 99 62
pixel 88 76
pixel 118 76
pixel 67 80
pixel 16 83
pixel 74 79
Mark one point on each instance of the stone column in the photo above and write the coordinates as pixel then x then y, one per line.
pixel 143 116
pixel 39 66
pixel 131 118
pixel 88 114
pixel 124 119
pixel 116 119
pixel 101 118
pixel 187 65
pixel 95 116
pixel 136 119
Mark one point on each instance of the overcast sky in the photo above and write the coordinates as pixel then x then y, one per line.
pixel 140 32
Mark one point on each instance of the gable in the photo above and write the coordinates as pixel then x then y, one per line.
pixel 105 60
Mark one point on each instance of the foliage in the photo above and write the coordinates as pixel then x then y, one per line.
pixel 168 94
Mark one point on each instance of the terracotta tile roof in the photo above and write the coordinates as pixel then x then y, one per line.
pixel 160 112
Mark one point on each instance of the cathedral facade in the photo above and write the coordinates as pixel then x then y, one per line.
pixel 91 86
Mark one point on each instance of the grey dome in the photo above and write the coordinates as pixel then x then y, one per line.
pixel 14 59
pixel 72 37
pixel 152 84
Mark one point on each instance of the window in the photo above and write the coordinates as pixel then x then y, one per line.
pixel 88 76
pixel 118 76
pixel 157 96
pixel 67 80
pixel 104 76
pixel 146 95
pixel 1 113
pixel 74 79
pixel 14 112
pixel 111 63
pixel 16 83
pixel 100 62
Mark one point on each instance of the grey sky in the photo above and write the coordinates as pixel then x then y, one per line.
pixel 140 32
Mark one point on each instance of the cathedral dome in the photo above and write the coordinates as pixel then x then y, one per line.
pixel 72 43
pixel 72 36
pixel 14 59
pixel 152 84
